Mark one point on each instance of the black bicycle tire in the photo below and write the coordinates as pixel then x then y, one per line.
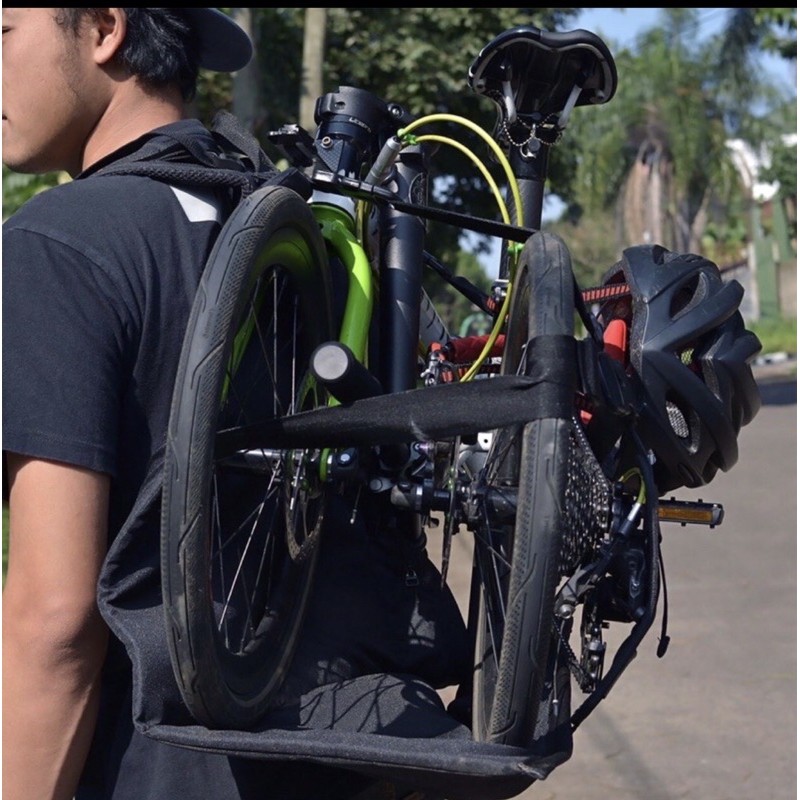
pixel 221 689
pixel 507 685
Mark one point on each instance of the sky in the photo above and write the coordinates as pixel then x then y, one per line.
pixel 623 25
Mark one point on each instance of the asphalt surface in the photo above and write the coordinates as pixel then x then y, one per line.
pixel 716 717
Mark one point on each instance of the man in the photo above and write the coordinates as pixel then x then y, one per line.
pixel 98 278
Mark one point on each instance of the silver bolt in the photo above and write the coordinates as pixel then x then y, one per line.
pixel 565 610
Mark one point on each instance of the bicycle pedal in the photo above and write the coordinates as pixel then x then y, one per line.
pixel 690 512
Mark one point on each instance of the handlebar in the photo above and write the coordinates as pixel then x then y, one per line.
pixel 535 77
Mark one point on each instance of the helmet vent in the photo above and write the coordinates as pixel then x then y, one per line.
pixel 684 296
pixel 677 420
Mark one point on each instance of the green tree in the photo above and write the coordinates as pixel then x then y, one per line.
pixel 313 63
pixel 749 30
pixel 656 154
pixel 592 244
pixel 19 188
pixel 783 169
pixel 744 90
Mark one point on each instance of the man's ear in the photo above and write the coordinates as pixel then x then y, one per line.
pixel 109 27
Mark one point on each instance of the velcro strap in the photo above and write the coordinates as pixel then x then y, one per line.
pixel 436 412
pixel 550 361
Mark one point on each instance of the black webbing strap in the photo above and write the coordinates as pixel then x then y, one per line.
pixel 551 362
pixel 231 135
pixel 436 412
pixel 238 162
pixel 195 175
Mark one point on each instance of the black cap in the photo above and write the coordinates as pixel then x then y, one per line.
pixel 224 46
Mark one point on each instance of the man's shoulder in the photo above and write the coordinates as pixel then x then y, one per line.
pixel 78 202
pixel 113 213
pixel 126 197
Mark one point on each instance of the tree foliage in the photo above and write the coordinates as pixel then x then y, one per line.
pixel 676 97
pixel 677 104
pixel 773 30
pixel 19 188
pixel 593 244
pixel 783 169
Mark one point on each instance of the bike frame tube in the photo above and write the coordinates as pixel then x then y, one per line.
pixel 336 226
pixel 401 265
pixel 529 164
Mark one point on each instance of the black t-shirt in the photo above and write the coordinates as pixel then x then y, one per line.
pixel 99 275
pixel 98 278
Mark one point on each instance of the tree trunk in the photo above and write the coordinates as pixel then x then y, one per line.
pixel 245 81
pixel 313 59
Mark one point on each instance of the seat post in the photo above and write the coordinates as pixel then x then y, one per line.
pixel 529 165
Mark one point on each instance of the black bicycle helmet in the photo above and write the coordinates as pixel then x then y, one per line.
pixel 691 352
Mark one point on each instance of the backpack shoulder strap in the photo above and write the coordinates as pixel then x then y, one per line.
pixel 232 136
pixel 175 156
pixel 238 163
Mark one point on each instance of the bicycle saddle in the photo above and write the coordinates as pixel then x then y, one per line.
pixel 532 74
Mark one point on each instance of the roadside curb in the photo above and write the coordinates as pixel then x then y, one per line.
pixel 775 368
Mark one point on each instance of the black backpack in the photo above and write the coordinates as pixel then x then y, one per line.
pixel 384 720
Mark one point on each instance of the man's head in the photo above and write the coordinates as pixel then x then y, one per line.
pixel 80 82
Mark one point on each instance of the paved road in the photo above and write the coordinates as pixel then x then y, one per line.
pixel 715 719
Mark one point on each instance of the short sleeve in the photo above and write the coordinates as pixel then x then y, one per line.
pixel 64 343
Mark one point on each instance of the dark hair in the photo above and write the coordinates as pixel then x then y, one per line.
pixel 160 47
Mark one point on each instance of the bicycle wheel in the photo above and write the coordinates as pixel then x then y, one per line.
pixel 518 537
pixel 238 542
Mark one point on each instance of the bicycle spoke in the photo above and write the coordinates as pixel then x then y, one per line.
pixel 271 336
pixel 488 598
pixel 262 335
pixel 293 408
pixel 238 584
pixel 269 493
pixel 275 337
pixel 238 572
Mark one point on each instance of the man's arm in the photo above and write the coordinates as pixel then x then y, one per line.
pixel 54 640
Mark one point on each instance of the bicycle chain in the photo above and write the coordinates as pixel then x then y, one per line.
pixel 510 138
pixel 579 673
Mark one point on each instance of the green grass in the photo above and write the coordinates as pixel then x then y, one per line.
pixel 776 335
